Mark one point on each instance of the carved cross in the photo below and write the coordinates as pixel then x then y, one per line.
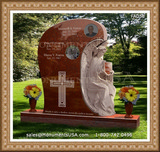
pixel 62 84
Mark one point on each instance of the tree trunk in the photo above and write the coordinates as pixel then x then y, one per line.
pixel 126 62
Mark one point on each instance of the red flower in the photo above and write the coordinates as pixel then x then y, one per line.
pixel 124 89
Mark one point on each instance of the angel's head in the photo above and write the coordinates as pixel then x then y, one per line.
pixel 100 49
pixel 99 52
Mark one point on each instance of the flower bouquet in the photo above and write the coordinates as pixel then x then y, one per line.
pixel 129 95
pixel 33 93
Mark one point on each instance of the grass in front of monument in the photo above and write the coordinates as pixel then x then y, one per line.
pixel 23 130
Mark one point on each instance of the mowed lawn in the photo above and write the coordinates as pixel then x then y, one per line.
pixel 23 130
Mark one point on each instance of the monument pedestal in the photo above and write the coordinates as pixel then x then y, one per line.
pixel 117 120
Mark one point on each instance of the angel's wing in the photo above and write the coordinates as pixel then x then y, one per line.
pixel 85 63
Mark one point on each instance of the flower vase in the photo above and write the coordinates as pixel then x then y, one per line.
pixel 32 103
pixel 129 109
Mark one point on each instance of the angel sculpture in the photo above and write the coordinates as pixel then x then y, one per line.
pixel 97 85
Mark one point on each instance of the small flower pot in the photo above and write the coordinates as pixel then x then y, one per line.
pixel 32 103
pixel 129 109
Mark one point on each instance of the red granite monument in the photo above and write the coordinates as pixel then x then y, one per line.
pixel 63 56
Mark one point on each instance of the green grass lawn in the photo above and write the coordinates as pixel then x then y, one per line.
pixel 21 130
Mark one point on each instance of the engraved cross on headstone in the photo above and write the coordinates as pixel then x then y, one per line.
pixel 62 84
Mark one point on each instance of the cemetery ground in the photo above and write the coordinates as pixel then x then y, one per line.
pixel 23 130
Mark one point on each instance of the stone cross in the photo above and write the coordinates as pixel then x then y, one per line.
pixel 62 84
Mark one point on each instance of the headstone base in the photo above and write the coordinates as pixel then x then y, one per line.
pixel 117 120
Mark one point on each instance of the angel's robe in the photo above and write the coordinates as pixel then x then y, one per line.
pixel 101 91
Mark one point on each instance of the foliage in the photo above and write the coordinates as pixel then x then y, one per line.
pixel 123 27
pixel 115 55
pixel 27 31
pixel 138 64
pixel 23 70
pixel 30 25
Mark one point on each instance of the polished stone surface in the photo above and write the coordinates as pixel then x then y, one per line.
pixel 116 120
pixel 60 74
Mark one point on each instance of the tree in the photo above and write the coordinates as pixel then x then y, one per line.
pixel 122 27
pixel 27 31
pixel 138 64
pixel 115 55
pixel 30 25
